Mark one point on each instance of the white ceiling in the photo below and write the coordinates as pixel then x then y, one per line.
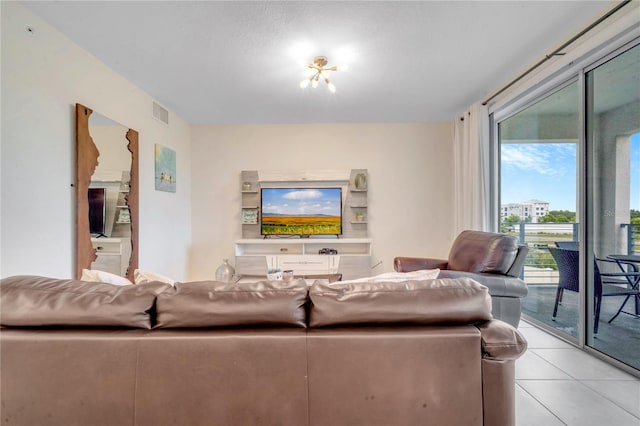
pixel 239 62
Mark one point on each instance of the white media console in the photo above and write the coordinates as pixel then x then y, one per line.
pixel 256 256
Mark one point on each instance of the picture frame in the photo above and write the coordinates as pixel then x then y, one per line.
pixel 249 216
pixel 165 169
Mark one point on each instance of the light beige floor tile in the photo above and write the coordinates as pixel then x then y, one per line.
pixel 531 366
pixel 524 324
pixel 530 412
pixel 537 338
pixel 580 365
pixel 625 393
pixel 575 404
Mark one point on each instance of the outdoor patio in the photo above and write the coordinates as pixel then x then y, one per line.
pixel 620 339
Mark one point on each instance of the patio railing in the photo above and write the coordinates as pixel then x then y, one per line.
pixel 540 268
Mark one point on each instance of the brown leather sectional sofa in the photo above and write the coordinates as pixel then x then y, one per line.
pixel 267 353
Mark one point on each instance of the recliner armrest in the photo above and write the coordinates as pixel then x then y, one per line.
pixel 501 341
pixel 409 264
pixel 518 263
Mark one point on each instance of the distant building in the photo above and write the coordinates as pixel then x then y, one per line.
pixel 529 209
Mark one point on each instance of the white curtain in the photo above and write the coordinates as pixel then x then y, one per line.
pixel 471 167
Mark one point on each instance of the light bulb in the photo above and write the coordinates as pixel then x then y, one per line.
pixel 342 67
pixel 304 83
pixel 331 87
pixel 314 83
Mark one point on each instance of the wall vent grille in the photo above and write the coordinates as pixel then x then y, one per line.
pixel 160 113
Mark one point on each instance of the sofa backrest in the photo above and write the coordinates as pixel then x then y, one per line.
pixel 432 301
pixel 477 251
pixel 32 301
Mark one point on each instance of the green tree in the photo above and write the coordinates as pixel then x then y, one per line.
pixel 558 216
pixel 635 214
pixel 511 219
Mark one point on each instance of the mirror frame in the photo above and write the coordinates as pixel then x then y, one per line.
pixel 86 162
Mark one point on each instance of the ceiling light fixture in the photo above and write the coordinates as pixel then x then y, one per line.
pixel 318 66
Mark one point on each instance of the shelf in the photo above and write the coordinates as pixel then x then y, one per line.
pixel 354 198
pixel 353 258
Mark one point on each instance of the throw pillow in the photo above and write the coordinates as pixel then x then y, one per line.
pixel 96 276
pixel 397 277
pixel 143 277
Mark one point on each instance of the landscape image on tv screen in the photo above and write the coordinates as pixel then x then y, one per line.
pixel 301 211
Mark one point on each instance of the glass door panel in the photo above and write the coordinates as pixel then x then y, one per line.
pixel 613 203
pixel 538 158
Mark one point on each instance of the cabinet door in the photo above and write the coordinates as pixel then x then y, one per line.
pixel 251 265
pixel 353 267
pixel 108 262
pixel 302 265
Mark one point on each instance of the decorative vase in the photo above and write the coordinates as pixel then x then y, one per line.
pixel 361 181
pixel 246 186
pixel 225 271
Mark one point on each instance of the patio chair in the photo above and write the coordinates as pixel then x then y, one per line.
pixel 570 245
pixel 568 268
pixel 628 278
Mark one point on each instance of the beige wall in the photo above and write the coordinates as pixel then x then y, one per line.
pixel 410 182
pixel 43 77
pixel 185 235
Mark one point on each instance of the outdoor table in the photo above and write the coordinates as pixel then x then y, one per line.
pixel 630 260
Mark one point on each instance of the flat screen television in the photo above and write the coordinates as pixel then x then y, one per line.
pixel 301 211
pixel 97 210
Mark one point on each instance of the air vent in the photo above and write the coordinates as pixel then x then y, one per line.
pixel 160 113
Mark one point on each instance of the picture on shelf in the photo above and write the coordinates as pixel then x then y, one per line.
pixel 249 216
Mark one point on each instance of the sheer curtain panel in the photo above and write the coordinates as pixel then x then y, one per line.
pixel 471 165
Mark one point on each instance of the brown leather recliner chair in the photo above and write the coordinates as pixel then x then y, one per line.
pixel 494 260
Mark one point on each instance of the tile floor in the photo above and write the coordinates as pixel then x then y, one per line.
pixel 558 384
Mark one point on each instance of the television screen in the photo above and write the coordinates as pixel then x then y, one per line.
pixel 97 198
pixel 301 211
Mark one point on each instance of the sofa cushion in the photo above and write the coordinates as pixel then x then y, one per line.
pixel 456 301
pixel 476 251
pixel 41 301
pixel 498 285
pixel 218 304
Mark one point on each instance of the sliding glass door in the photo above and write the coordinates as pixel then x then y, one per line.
pixel 569 188
pixel 538 197
pixel 613 202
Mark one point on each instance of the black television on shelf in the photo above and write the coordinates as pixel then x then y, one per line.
pixel 97 211
pixel 300 211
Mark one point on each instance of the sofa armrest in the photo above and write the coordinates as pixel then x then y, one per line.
pixel 409 264
pixel 501 341
pixel 518 263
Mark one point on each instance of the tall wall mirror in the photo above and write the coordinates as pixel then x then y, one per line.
pixel 106 195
